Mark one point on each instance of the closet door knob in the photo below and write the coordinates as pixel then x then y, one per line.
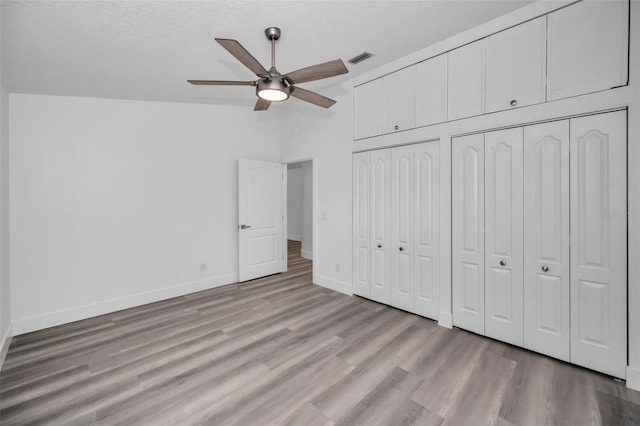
pixel 503 263
pixel 379 245
pixel 513 102
pixel 401 248
pixel 545 268
pixel 396 127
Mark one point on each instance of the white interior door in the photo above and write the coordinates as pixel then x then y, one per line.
pixel 503 235
pixel 381 225
pixel 599 242
pixel 467 197
pixel 402 227
pixel 261 218
pixel 546 236
pixel 361 223
pixel 427 229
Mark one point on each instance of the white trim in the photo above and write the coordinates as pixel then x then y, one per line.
pixel 306 254
pixel 633 378
pixel 6 342
pixel 51 319
pixel 294 238
pixel 331 284
pixel 445 319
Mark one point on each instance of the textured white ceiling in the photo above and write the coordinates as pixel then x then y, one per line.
pixel 145 50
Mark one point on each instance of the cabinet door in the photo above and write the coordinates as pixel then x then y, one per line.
pixel 381 225
pixel 599 242
pixel 546 236
pixel 367 100
pixel 588 44
pixel 427 229
pixel 466 81
pixel 431 91
pixel 361 223
pixel 402 227
pixel 399 102
pixel 503 235
pixel 467 197
pixel 516 66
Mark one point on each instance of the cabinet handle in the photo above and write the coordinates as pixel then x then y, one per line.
pixel 401 249
pixel 379 245
pixel 503 263
pixel 245 226
pixel 513 102
pixel 545 268
pixel 396 127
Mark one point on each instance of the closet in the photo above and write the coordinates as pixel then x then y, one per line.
pixel 539 238
pixel 396 227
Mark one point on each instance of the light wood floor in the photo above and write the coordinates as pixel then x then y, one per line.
pixel 280 350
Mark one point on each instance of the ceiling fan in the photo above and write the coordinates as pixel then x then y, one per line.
pixel 271 86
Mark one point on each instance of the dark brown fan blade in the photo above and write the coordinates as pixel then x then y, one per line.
pixel 243 56
pixel 311 97
pixel 262 105
pixel 317 72
pixel 222 83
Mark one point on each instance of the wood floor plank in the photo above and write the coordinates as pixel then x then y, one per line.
pixel 280 350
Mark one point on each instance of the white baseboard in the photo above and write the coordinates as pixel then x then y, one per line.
pixel 334 285
pixel 445 319
pixel 633 378
pixel 51 319
pixel 306 254
pixel 6 341
pixel 294 237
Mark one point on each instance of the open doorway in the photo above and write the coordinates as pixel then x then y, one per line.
pixel 299 212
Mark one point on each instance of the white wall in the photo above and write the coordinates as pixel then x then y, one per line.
pixel 305 134
pixel 294 202
pixel 117 203
pixel 307 210
pixel 5 306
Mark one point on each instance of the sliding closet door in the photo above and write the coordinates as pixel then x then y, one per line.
pixel 467 182
pixel 546 236
pixel 426 229
pixel 381 226
pixel 503 235
pixel 361 223
pixel 402 227
pixel 599 242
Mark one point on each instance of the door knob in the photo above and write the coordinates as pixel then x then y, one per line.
pixel 245 226
pixel 503 263
pixel 401 248
pixel 513 102
pixel 545 268
pixel 379 245
pixel 396 127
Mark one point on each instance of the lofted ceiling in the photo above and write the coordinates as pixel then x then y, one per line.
pixel 146 50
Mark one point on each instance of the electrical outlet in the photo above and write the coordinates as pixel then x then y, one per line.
pixel 203 267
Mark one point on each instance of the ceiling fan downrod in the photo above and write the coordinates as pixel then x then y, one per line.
pixel 273 35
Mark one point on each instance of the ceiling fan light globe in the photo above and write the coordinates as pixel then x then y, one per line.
pixel 273 90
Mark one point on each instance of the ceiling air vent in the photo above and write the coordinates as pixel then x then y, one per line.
pixel 361 57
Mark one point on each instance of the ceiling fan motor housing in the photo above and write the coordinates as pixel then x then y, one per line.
pixel 267 88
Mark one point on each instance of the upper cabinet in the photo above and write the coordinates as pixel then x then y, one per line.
pixel 466 81
pixel 516 65
pixel 431 91
pixel 367 109
pixel 399 100
pixel 588 48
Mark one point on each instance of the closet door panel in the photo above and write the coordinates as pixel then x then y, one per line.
pixel 399 104
pixel 466 85
pixel 516 66
pixel 402 227
pixel 426 229
pixel 381 225
pixel 367 108
pixel 546 236
pixel 467 183
pixel 599 242
pixel 431 91
pixel 588 48
pixel 503 236
pixel 362 224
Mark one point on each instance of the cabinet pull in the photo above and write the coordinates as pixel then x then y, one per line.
pixel 379 245
pixel 401 249
pixel 396 127
pixel 545 268
pixel 503 263
pixel 513 102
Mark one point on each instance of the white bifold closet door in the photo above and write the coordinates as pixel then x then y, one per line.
pixel 546 236
pixel 402 237
pixel 467 197
pixel 503 235
pixel 381 226
pixel 599 242
pixel 361 223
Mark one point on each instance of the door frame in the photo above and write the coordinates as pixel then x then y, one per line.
pixel 314 210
